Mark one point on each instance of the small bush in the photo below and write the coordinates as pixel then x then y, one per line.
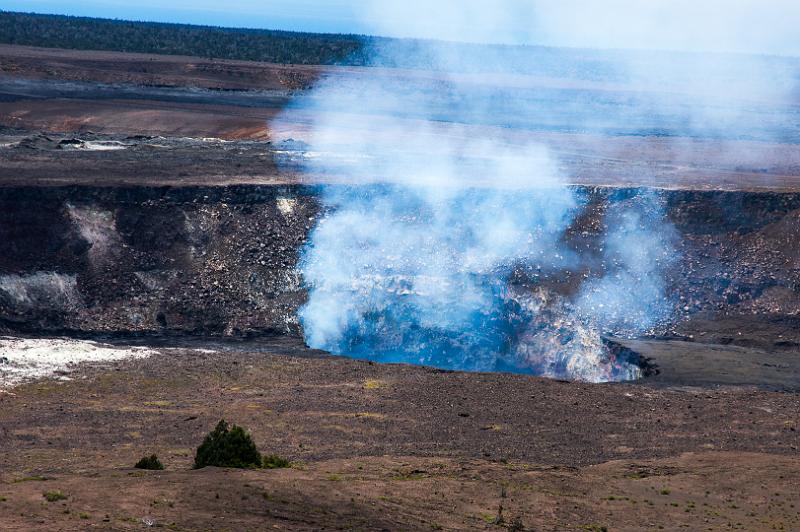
pixel 274 461
pixel 227 447
pixel 35 478
pixel 150 462
pixel 54 496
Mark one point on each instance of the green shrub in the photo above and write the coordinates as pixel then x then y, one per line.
pixel 53 496
pixel 227 447
pixel 150 462
pixel 274 461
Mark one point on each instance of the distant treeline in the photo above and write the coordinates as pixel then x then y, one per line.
pixel 83 33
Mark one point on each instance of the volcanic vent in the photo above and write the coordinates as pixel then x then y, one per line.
pixel 459 250
pixel 486 279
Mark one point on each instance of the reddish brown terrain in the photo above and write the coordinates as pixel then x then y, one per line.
pixel 236 100
pixel 151 70
pixel 394 447
pixel 163 235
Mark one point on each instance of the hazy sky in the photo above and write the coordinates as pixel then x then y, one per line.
pixel 765 26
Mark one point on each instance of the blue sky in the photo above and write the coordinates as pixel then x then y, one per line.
pixel 757 26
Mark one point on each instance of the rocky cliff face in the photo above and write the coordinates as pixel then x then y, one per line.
pixel 223 260
pixel 217 261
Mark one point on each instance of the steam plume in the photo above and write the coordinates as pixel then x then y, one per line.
pixel 452 250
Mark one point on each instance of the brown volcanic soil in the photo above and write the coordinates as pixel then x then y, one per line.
pixel 153 70
pixel 126 117
pixel 240 100
pixel 386 447
pixel 593 160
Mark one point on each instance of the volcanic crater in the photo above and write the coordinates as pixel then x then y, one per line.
pixel 161 213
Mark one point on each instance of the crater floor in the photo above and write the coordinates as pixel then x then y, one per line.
pixel 391 447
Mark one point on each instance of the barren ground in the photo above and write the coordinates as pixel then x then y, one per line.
pixel 394 447
pixel 117 94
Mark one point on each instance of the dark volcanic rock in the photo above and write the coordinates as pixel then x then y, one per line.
pixel 208 261
pixel 221 260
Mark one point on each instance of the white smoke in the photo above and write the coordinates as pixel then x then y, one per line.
pixel 414 260
pixel 40 290
pixel 726 26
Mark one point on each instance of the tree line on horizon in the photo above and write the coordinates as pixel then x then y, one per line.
pixel 273 46
pixel 288 47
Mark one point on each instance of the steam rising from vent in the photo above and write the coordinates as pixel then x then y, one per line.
pixel 43 290
pixel 457 251
pixel 422 274
pixel 415 259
